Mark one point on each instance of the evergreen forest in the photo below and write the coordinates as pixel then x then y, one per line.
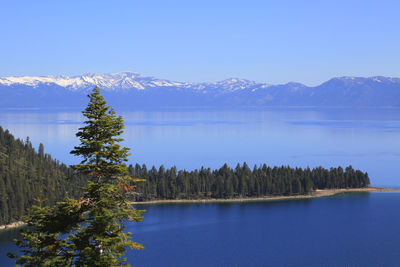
pixel 28 176
pixel 240 182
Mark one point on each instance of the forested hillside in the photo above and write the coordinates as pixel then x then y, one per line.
pixel 26 175
pixel 241 182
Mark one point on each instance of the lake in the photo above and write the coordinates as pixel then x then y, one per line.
pixel 345 230
pixel 351 230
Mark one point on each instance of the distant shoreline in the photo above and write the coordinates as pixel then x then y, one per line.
pixel 318 193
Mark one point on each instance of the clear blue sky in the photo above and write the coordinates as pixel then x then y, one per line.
pixel 268 41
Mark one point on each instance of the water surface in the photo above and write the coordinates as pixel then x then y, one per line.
pixel 368 139
pixel 359 229
pixel 347 230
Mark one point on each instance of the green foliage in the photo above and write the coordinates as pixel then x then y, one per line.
pixel 89 231
pixel 41 241
pixel 26 174
pixel 99 143
pixel 241 181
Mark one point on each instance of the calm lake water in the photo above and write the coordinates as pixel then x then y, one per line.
pixel 346 230
pixel 354 230
pixel 368 139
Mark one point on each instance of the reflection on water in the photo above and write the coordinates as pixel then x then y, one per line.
pixel 364 138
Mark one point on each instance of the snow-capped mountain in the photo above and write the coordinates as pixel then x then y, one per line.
pixel 128 89
pixel 123 81
pixel 116 81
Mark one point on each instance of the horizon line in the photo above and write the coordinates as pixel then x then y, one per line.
pixel 218 81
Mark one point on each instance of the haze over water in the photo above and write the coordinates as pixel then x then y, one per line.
pixel 367 139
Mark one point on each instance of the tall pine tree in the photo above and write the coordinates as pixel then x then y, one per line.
pixel 89 231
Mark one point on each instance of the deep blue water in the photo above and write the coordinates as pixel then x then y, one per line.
pixel 347 230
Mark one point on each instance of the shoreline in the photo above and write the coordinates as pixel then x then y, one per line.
pixel 318 193
pixel 12 225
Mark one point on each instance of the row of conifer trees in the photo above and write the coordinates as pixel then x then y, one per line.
pixel 241 181
pixel 27 174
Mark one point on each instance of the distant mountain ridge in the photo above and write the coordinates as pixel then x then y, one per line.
pixel 129 89
pixel 121 81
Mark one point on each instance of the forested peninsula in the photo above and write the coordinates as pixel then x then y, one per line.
pixel 27 175
pixel 240 182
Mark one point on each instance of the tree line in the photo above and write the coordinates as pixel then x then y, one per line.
pixel 240 182
pixel 27 174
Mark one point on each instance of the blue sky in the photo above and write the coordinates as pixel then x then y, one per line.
pixel 267 41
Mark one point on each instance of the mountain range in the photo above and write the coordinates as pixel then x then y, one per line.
pixel 132 90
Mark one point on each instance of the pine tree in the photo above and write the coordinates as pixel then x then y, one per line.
pixel 102 241
pixel 88 231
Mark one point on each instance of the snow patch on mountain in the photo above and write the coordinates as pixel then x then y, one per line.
pixel 127 81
